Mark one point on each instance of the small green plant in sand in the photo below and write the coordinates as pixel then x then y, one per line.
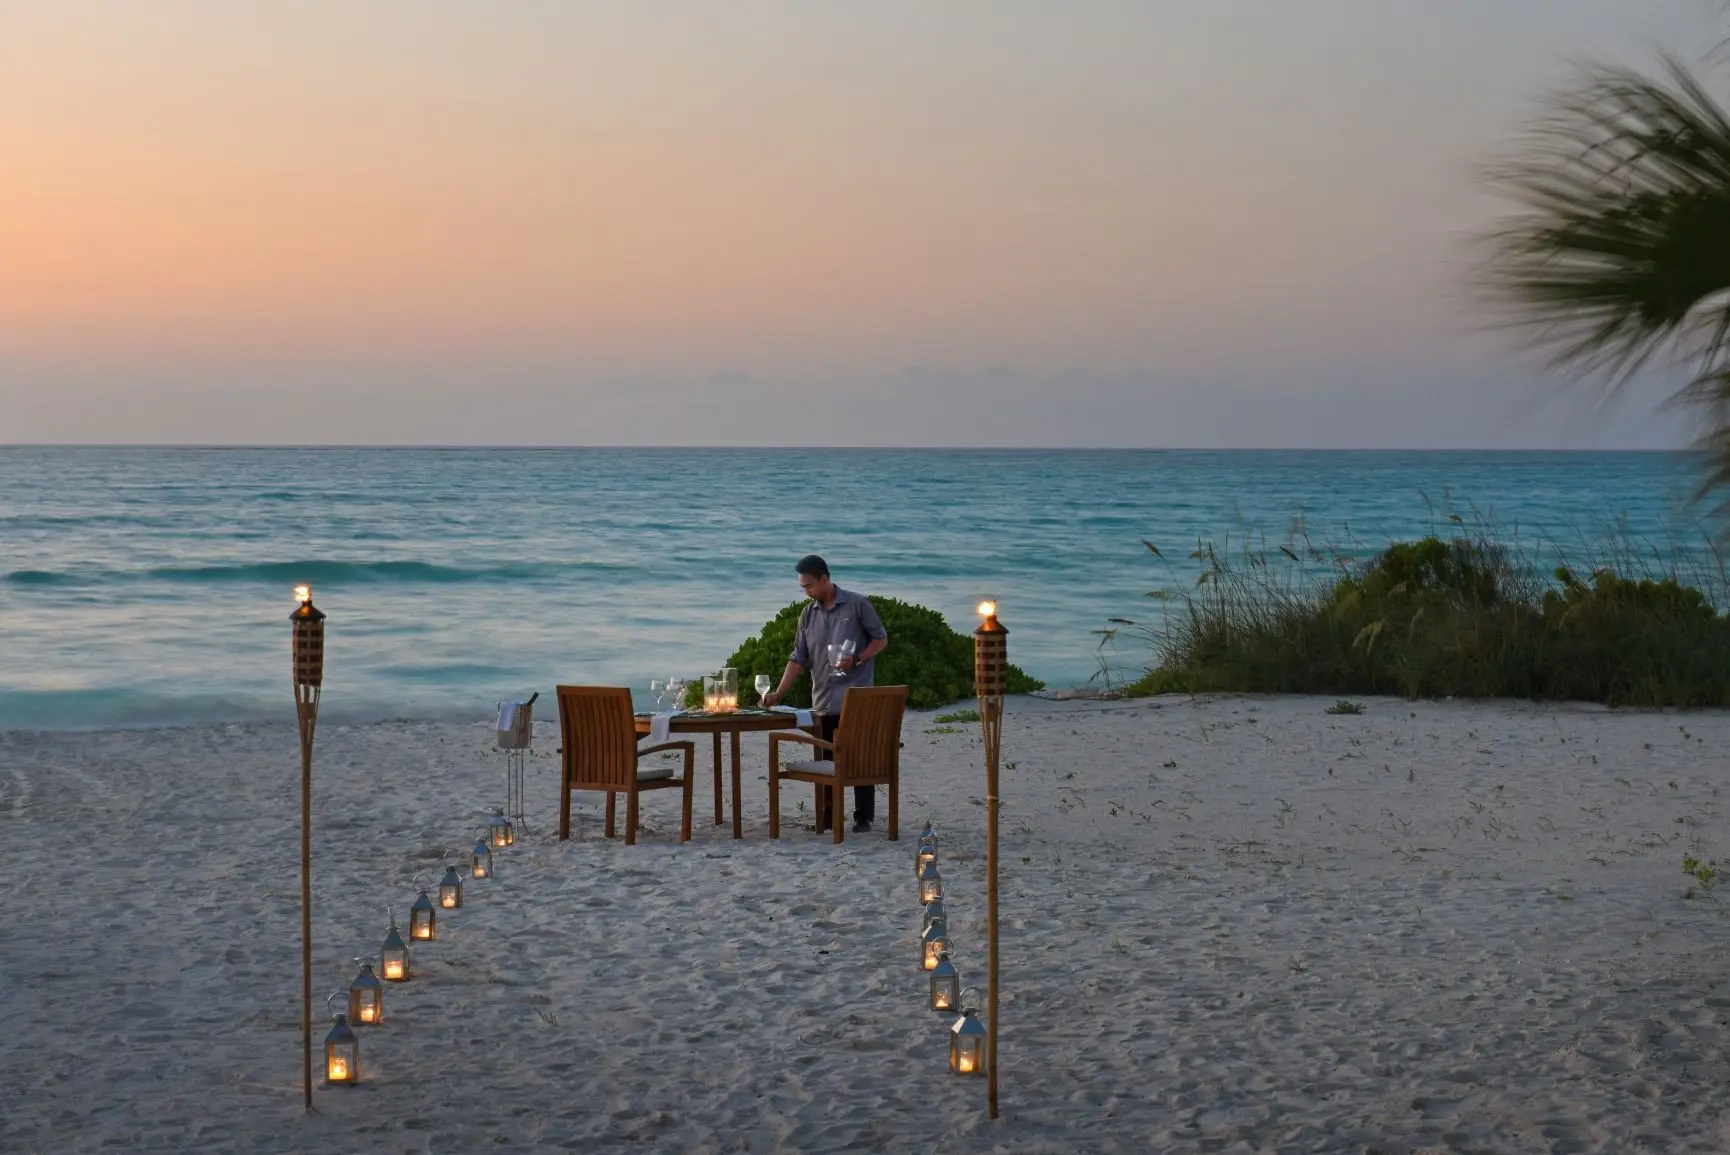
pixel 1345 706
pixel 1471 616
pixel 1707 872
pixel 958 716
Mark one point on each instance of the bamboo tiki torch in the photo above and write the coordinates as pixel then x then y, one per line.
pixel 990 682
pixel 307 623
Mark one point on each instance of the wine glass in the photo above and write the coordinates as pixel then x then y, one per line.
pixel 843 650
pixel 676 692
pixel 659 689
pixel 764 685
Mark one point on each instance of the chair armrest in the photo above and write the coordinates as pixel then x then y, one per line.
pixel 776 737
pixel 688 747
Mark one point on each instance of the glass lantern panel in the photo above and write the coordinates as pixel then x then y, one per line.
pixel 481 865
pixel 366 1006
pixel 930 890
pixel 421 924
pixel 944 996
pixel 396 965
pixel 341 1062
pixel 965 1057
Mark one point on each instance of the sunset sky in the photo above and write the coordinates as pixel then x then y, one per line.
pixel 1149 223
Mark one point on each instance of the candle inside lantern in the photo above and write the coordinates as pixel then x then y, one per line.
pixel 393 969
pixel 339 1068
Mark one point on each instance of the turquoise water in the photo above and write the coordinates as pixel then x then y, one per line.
pixel 153 586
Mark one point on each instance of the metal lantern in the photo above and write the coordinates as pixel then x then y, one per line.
pixel 927 852
pixel 499 830
pixel 932 944
pixel 481 859
pixel 365 998
pixel 930 884
pixel 393 956
pixel 933 913
pixel 423 919
pixel 945 985
pixel 451 889
pixel 341 1051
pixel 967 1042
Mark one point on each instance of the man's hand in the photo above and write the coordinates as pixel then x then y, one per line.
pixel 845 664
pixel 770 700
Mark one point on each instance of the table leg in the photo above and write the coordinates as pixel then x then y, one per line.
pixel 738 822
pixel 718 818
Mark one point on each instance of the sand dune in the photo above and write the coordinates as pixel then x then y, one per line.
pixel 1233 925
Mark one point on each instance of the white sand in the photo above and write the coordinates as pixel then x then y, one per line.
pixel 1234 925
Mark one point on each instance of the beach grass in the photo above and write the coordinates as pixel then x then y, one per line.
pixel 1472 614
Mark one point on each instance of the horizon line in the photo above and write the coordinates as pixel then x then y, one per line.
pixel 546 447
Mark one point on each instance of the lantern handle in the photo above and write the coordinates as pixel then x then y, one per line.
pixel 963 999
pixel 419 883
pixel 392 914
pixel 334 995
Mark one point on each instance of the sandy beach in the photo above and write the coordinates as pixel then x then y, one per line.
pixel 1235 925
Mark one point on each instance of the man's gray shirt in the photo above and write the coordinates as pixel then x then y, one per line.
pixel 852 616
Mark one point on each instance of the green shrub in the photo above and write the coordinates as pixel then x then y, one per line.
pixel 1436 618
pixel 933 661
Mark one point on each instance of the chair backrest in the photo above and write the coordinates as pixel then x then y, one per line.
pixel 600 736
pixel 868 740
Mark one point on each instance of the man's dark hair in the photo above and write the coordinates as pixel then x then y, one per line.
pixel 812 566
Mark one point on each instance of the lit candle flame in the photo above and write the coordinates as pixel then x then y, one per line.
pixel 303 594
pixel 987 609
pixel 338 1069
pixel 393 969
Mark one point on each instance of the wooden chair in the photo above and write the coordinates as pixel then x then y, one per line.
pixel 866 751
pixel 600 752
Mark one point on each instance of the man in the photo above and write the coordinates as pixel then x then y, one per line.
pixel 835 615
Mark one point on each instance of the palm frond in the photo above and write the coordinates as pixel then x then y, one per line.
pixel 1620 249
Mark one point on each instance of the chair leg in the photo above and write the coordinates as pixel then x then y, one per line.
pixel 564 808
pixel 774 798
pixel 631 818
pixel 611 827
pixel 821 805
pixel 894 806
pixel 690 781
pixel 837 810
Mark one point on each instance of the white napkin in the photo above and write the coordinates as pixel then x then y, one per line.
pixel 804 716
pixel 661 728
pixel 507 717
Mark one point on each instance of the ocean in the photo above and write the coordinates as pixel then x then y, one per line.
pixel 152 586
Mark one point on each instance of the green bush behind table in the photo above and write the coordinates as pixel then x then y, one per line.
pixel 932 660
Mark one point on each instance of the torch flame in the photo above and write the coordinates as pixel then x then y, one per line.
pixel 303 594
pixel 987 609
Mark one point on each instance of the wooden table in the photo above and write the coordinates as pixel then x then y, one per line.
pixel 733 725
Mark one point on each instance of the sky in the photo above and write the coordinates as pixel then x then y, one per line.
pixel 1160 223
